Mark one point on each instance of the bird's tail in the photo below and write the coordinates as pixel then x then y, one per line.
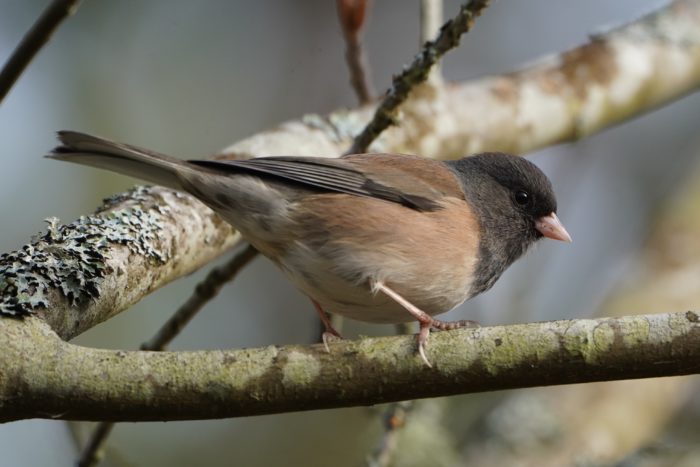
pixel 123 158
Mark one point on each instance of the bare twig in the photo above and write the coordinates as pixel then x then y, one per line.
pixel 203 293
pixel 92 453
pixel 33 41
pixel 352 14
pixel 417 72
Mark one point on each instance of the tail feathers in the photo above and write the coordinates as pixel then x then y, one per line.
pixel 129 160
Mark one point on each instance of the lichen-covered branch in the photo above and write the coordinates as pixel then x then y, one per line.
pixel 44 376
pixel 80 274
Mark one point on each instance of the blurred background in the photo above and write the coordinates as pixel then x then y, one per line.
pixel 190 78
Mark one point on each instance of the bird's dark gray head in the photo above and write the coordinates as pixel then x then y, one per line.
pixel 515 204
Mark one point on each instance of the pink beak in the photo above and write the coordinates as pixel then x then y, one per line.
pixel 551 227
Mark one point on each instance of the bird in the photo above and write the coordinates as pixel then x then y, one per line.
pixel 380 238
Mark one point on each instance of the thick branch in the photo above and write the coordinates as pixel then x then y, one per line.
pixel 80 274
pixel 47 377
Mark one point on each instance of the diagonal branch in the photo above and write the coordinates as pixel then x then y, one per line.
pixel 49 378
pixel 33 41
pixel 80 274
pixel 417 72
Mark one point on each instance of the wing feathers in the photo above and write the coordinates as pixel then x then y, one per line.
pixel 333 175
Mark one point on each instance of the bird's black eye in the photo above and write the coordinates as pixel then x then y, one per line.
pixel 522 197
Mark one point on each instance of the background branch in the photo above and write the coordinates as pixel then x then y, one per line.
pixel 618 75
pixel 33 41
pixel 417 72
pixel 352 15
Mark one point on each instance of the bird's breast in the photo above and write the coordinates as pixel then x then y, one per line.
pixel 339 250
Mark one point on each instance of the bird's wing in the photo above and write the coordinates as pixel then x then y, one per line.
pixel 408 180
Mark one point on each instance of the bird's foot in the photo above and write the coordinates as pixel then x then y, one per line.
pixel 330 334
pixel 450 325
pixel 424 319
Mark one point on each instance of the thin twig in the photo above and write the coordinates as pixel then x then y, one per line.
pixel 417 72
pixel 394 419
pixel 203 293
pixel 92 453
pixel 352 14
pixel 33 41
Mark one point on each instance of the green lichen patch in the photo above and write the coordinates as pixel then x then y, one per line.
pixel 73 258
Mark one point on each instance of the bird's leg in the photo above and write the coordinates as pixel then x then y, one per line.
pixel 330 331
pixel 424 319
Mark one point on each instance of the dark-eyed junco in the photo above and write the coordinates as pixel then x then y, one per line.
pixel 383 238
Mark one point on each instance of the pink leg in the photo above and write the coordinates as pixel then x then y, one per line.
pixel 424 319
pixel 330 331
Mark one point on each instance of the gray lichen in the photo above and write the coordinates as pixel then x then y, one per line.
pixel 73 258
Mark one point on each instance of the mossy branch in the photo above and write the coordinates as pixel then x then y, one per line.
pixel 43 376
